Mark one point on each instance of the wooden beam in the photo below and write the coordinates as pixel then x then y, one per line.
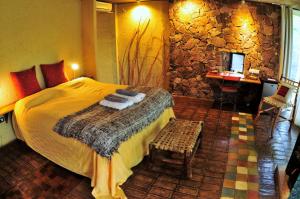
pixel 88 20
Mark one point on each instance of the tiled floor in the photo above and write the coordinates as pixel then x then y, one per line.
pixel 25 174
pixel 241 179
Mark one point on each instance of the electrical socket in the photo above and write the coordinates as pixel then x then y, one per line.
pixel 2 119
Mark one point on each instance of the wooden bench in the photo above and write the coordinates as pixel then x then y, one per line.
pixel 179 136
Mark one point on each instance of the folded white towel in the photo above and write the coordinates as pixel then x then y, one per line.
pixel 136 99
pixel 116 105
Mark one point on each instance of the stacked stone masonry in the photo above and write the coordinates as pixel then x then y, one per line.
pixel 203 32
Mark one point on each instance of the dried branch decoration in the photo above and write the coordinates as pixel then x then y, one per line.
pixel 137 66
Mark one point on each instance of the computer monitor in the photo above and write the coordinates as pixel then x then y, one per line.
pixel 237 62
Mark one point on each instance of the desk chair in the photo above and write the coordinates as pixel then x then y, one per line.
pixel 230 87
pixel 285 97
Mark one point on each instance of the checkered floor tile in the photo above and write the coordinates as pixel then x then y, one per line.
pixel 241 177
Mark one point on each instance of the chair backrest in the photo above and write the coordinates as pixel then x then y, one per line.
pixel 287 90
pixel 293 84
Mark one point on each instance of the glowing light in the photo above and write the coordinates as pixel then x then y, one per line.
pixel 245 26
pixel 188 11
pixel 141 13
pixel 75 66
pixel 188 8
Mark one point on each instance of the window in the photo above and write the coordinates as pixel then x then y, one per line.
pixel 294 69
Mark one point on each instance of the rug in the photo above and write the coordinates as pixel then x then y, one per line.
pixel 241 177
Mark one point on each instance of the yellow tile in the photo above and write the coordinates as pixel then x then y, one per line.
pixel 251 138
pixel 242 129
pixel 243 137
pixel 250 127
pixel 235 118
pixel 252 153
pixel 242 121
pixel 241 185
pixel 252 158
pixel 242 113
pixel 242 170
pixel 234 128
pixel 227 198
pixel 253 186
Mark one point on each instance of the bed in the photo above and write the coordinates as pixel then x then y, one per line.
pixel 35 116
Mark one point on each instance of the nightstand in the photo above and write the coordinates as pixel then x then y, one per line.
pixel 5 110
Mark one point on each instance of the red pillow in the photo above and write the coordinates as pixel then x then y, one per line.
pixel 54 74
pixel 25 82
pixel 282 91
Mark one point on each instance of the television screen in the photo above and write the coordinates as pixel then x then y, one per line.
pixel 237 62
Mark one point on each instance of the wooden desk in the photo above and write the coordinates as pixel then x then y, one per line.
pixel 212 75
pixel 249 92
pixel 5 110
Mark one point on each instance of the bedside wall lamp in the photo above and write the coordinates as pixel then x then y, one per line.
pixel 74 67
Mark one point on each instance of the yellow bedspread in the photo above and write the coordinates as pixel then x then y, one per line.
pixel 36 115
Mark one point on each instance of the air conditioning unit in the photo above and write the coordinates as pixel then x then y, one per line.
pixel 103 7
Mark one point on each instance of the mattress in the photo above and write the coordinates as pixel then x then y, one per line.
pixel 35 116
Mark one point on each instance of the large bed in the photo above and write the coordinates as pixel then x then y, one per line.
pixel 36 115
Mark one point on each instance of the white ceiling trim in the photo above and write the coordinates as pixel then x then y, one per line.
pixel 292 3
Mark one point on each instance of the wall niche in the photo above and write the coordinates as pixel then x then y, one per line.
pixel 201 31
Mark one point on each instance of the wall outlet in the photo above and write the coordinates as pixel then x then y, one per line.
pixel 2 119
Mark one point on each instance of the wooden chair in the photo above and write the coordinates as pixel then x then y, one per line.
pixel 285 97
pixel 230 86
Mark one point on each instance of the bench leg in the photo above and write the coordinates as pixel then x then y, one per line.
pixel 188 165
pixel 151 151
pixel 151 156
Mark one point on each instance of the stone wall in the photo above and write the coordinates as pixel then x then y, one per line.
pixel 202 31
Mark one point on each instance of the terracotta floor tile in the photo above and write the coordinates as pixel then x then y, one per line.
pixel 161 192
pixel 208 170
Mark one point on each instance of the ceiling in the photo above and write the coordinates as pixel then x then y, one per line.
pixel 293 3
pixel 126 1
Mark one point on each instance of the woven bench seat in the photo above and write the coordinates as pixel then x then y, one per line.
pixel 179 136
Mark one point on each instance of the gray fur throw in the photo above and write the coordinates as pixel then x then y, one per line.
pixel 104 129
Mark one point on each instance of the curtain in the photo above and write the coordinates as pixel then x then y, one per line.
pixel 286 54
pixel 286 39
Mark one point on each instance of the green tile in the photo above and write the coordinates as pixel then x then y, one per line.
pixel 243 157
pixel 252 152
pixel 227 192
pixel 252 171
pixel 230 176
pixel 234 136
pixel 230 169
pixel 240 194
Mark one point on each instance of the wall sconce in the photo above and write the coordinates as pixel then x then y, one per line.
pixel 188 10
pixel 74 67
pixel 141 13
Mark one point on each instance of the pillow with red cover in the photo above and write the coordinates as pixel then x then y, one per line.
pixel 54 74
pixel 282 91
pixel 25 82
